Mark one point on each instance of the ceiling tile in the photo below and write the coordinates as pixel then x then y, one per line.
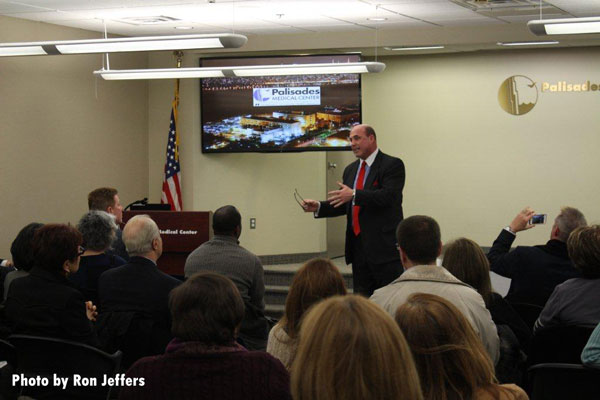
pixel 579 8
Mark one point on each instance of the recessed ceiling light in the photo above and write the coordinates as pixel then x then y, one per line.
pixel 148 20
pixel 184 28
pixel 377 19
pixel 415 48
pixel 527 43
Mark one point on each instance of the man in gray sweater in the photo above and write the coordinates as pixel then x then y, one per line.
pixel 223 254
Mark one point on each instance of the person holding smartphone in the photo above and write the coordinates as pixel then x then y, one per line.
pixel 535 270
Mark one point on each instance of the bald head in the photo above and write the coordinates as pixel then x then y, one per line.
pixel 368 129
pixel 363 141
pixel 227 221
pixel 142 237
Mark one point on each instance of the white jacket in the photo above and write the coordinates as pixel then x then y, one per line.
pixel 439 281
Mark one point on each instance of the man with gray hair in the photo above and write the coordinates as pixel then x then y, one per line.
pixel 535 271
pixel 139 288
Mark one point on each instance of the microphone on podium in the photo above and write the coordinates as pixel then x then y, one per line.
pixel 141 202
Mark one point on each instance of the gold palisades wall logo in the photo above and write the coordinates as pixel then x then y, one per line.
pixel 517 95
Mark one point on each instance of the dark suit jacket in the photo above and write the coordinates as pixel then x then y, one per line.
pixel 45 303
pixel 138 286
pixel 534 271
pixel 380 203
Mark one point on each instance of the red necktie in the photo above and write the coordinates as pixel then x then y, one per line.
pixel 355 208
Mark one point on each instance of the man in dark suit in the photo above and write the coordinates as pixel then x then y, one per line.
pixel 535 270
pixel 371 198
pixel 138 291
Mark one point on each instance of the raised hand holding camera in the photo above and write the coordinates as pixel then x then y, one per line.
pixel 521 221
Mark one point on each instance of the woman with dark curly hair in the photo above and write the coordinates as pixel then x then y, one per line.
pixel 98 230
pixel 46 303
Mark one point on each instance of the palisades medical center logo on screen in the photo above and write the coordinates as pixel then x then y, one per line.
pixel 287 96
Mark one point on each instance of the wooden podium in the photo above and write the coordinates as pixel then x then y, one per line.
pixel 181 232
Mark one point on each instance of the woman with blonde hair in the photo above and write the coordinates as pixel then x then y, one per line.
pixel 350 348
pixel 449 356
pixel 318 279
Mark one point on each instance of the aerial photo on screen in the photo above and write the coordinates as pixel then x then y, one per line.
pixel 279 113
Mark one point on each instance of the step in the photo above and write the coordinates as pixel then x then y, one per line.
pixel 276 295
pixel 274 311
pixel 284 277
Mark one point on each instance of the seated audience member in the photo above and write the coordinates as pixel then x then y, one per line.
pixel 45 302
pixel 98 229
pixel 21 251
pixel 450 360
pixel 204 360
pixel 107 199
pixel 135 296
pixel 577 301
pixel 224 255
pixel 591 352
pixel 351 349
pixel 419 243
pixel 466 261
pixel 535 271
pixel 318 279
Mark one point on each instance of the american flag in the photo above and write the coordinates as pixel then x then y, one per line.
pixel 171 189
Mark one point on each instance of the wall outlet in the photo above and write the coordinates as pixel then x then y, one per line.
pixel 252 223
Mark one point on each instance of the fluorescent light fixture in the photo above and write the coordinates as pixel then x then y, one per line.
pixel 308 69
pixel 22 51
pixel 377 19
pixel 165 73
pixel 254 70
pixel 415 48
pixel 540 43
pixel 564 26
pixel 147 43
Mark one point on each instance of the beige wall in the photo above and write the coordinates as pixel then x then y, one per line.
pixel 469 164
pixel 64 133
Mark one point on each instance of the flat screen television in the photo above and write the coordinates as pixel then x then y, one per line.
pixel 279 113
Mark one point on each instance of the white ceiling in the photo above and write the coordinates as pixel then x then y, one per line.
pixel 476 24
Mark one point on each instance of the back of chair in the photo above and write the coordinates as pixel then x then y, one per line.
pixel 8 353
pixel 85 367
pixel 136 335
pixel 563 381
pixel 529 313
pixel 562 344
pixel 8 363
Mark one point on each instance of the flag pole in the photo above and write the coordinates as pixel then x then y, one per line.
pixel 179 56
pixel 171 189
